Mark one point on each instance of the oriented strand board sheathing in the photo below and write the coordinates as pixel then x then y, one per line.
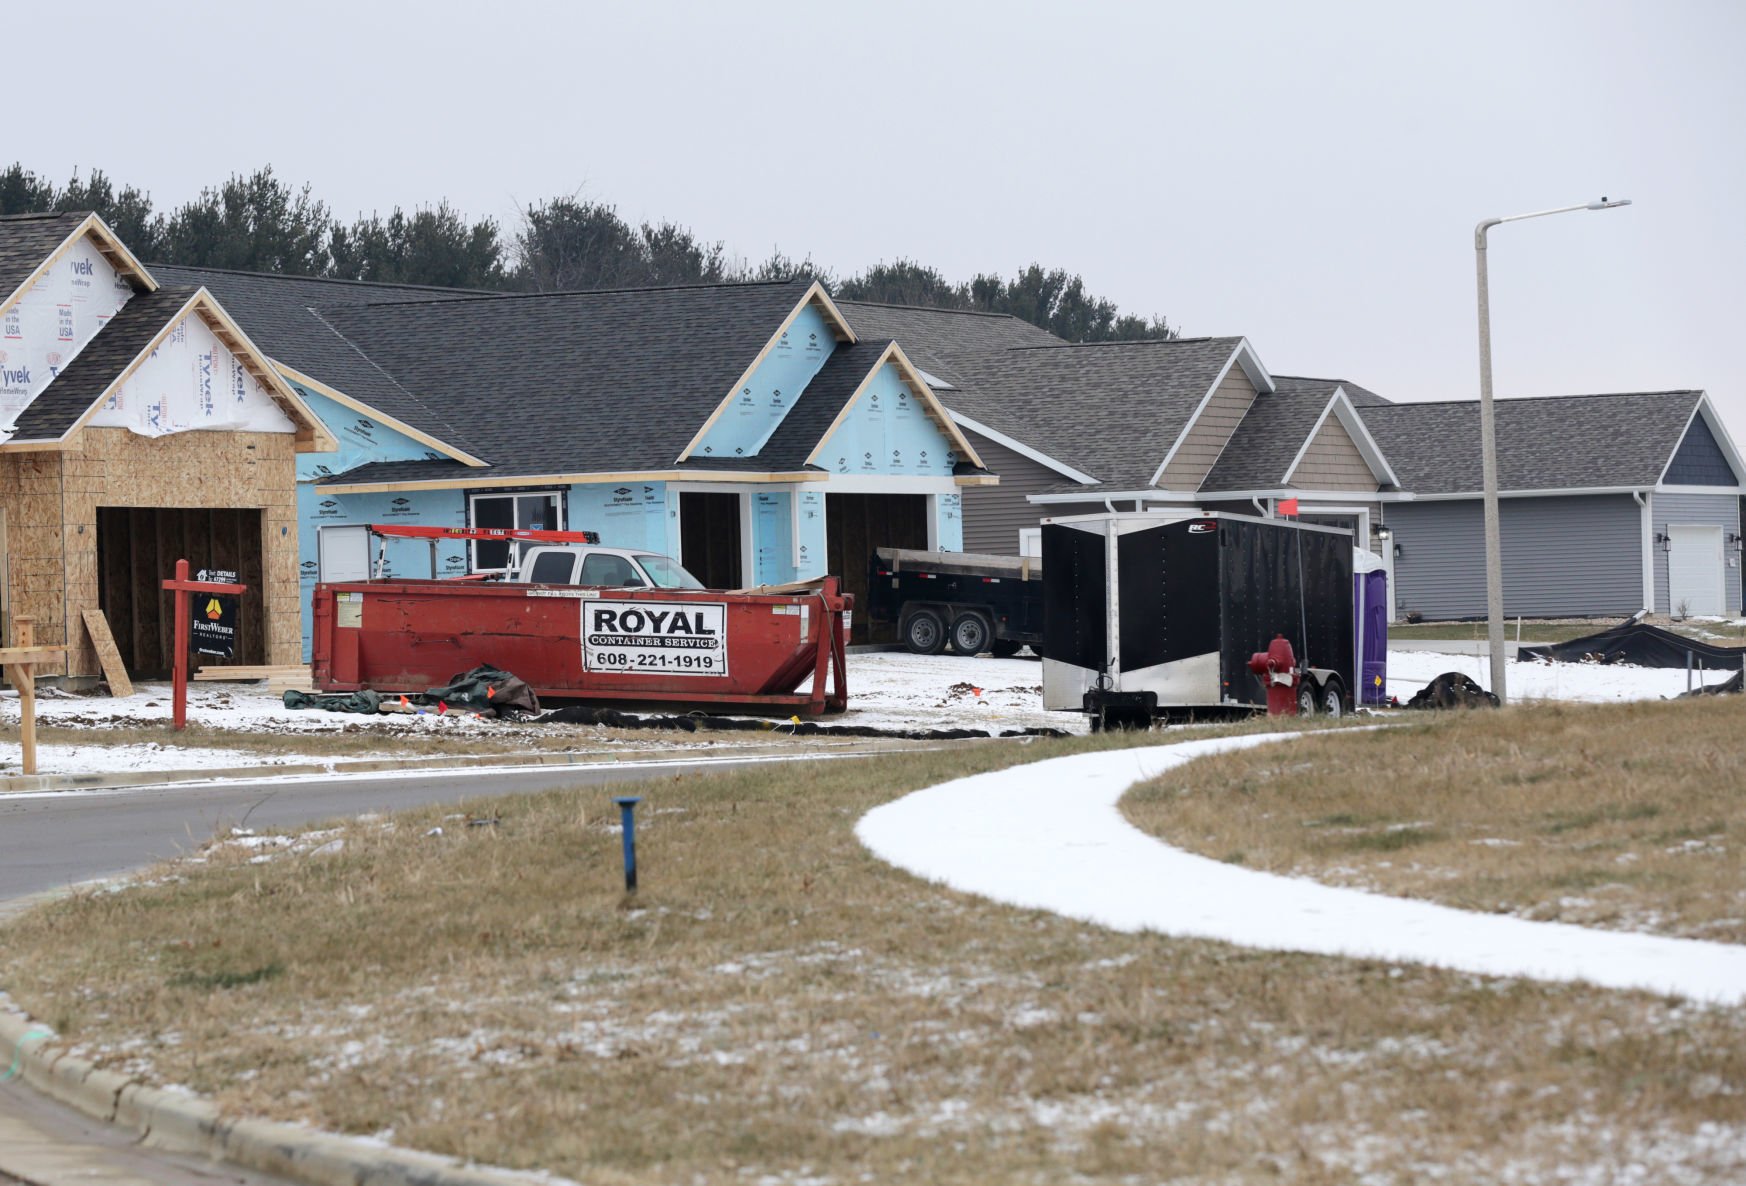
pixel 97 626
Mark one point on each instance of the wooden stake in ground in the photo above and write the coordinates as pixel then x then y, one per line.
pixel 103 642
pixel 19 661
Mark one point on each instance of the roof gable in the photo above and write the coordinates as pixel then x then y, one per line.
pixel 892 424
pixel 755 405
pixel 228 384
pixel 1705 456
pixel 284 315
pixel 31 244
pixel 572 383
pixel 1109 410
pixel 934 338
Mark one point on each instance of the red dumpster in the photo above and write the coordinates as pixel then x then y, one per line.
pixel 672 646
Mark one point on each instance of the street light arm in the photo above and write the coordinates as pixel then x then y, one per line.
pixel 1603 204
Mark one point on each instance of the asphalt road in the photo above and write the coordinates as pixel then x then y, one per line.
pixel 53 840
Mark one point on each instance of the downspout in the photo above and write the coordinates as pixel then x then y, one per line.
pixel 1259 509
pixel 1109 505
pixel 1648 557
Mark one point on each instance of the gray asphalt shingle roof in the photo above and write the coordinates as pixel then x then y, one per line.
pixel 70 394
pixel 1111 410
pixel 933 338
pixel 1361 397
pixel 1564 442
pixel 573 382
pixel 1267 440
pixel 28 239
pixel 283 316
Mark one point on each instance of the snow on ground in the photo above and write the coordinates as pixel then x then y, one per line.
pixel 1408 671
pixel 887 690
pixel 1049 836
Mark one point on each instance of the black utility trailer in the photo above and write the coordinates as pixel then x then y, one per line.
pixel 974 601
pixel 1156 615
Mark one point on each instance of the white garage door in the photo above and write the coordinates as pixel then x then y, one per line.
pixel 1694 571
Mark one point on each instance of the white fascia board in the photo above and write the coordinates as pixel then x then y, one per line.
pixel 1019 447
pixel 1554 493
pixel 1251 364
pixel 1347 411
pixel 1717 430
pixel 1201 496
pixel 1729 491
pixel 1244 356
pixel 1095 494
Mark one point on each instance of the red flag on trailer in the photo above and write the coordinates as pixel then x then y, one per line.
pixel 1288 506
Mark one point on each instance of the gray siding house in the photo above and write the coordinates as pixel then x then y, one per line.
pixel 1609 504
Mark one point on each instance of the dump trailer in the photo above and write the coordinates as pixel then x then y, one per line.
pixel 748 649
pixel 1151 615
pixel 976 602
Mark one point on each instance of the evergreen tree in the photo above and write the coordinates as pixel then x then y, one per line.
pixel 431 246
pixel 256 223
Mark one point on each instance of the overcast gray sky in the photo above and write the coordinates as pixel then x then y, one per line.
pixel 1307 175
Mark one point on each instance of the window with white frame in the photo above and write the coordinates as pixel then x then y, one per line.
pixel 537 510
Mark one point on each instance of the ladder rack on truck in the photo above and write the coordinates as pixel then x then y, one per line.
pixel 514 535
pixel 976 602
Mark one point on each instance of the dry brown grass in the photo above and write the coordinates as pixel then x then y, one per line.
pixel 776 1005
pixel 1624 816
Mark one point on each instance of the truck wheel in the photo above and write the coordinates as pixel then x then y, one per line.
pixel 1333 699
pixel 1306 698
pixel 1005 648
pixel 924 633
pixel 971 634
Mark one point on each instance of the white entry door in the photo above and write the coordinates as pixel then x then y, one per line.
pixel 1694 571
pixel 344 553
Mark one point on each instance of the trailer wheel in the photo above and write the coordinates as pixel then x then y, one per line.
pixel 971 634
pixel 1333 699
pixel 1306 698
pixel 924 633
pixel 1005 648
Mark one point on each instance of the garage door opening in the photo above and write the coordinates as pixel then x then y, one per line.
pixel 709 538
pixel 137 549
pixel 855 524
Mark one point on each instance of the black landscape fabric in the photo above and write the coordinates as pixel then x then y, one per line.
pixel 1636 643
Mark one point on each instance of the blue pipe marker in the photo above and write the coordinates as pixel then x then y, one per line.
pixel 627 807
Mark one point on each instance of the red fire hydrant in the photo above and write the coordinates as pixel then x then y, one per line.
pixel 1277 667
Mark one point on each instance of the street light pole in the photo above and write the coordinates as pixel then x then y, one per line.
pixel 1494 614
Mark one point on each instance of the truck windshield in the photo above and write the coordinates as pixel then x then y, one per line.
pixel 668 573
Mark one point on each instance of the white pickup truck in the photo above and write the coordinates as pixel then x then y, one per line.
pixel 607 568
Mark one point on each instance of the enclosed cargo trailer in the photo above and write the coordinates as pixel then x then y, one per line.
pixel 1148 615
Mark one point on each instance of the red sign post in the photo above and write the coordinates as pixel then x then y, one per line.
pixel 182 586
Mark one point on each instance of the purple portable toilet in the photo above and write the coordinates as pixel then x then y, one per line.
pixel 1370 626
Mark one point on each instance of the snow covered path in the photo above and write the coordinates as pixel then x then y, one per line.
pixel 1049 836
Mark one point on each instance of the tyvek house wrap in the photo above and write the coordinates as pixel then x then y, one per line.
pixel 192 381
pixel 54 319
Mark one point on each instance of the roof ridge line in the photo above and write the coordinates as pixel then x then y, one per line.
pixel 486 295
pixel 1518 399
pixel 1130 342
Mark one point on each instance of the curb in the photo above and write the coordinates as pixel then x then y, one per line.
pixel 189 1124
pixel 146 778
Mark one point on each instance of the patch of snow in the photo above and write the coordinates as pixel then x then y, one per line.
pixel 1050 836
